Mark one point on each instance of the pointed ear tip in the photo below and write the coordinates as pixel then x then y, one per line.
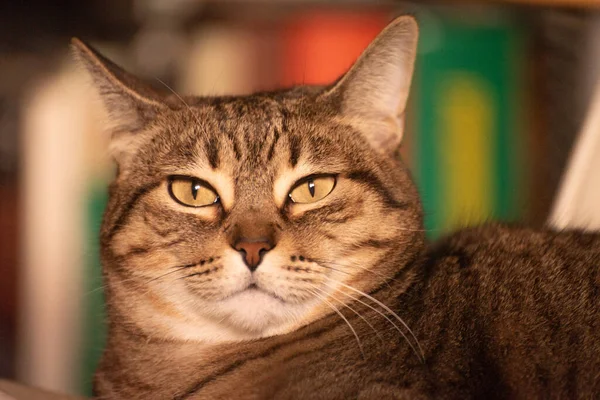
pixel 78 47
pixel 406 22
pixel 82 53
pixel 77 44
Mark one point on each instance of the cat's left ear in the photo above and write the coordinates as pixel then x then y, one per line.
pixel 130 103
pixel 373 93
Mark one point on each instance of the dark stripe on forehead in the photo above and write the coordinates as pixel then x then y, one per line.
pixel 285 116
pixel 236 147
pixel 228 133
pixel 240 109
pixel 295 147
pixel 212 151
pixel 276 135
pixel 370 179
pixel 129 206
pixel 222 114
pixel 254 141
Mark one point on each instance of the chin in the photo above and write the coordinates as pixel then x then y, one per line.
pixel 258 313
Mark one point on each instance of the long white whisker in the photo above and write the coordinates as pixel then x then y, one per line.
pixel 351 309
pixel 320 264
pixel 104 286
pixel 175 269
pixel 379 303
pixel 352 265
pixel 165 274
pixel 384 316
pixel 418 230
pixel 343 317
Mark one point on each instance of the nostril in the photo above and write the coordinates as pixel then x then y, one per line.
pixel 261 253
pixel 252 251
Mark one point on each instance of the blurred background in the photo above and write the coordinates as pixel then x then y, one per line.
pixel 500 93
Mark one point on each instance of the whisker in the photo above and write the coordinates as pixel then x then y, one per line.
pixel 343 317
pixel 418 230
pixel 351 309
pixel 190 265
pixel 331 268
pixel 388 310
pixel 196 263
pixel 178 268
pixel 353 265
pixel 190 275
pixel 104 286
pixel 95 290
pixel 168 273
pixel 384 316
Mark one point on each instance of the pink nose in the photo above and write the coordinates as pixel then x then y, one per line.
pixel 253 251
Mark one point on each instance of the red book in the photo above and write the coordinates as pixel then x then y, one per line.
pixel 319 46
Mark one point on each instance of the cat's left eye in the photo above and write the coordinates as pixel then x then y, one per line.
pixel 312 189
pixel 192 192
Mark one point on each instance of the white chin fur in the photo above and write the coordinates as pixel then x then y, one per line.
pixel 244 316
pixel 256 311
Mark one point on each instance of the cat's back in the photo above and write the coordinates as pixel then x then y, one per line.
pixel 519 257
pixel 521 307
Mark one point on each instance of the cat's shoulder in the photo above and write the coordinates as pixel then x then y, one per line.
pixel 512 244
pixel 514 238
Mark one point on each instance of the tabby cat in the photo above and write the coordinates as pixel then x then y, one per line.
pixel 272 247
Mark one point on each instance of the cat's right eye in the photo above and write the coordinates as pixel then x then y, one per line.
pixel 192 192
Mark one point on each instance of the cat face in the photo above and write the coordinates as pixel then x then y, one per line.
pixel 243 217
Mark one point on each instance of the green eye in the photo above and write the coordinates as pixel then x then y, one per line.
pixel 312 189
pixel 192 192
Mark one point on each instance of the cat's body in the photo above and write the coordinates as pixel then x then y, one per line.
pixel 271 246
pixel 466 307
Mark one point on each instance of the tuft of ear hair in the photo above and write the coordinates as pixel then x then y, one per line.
pixel 374 92
pixel 129 102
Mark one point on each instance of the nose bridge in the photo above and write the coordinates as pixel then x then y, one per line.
pixel 255 213
pixel 253 225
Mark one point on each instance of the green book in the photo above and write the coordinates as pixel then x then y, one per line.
pixel 468 120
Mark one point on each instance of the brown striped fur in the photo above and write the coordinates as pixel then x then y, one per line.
pixel 495 311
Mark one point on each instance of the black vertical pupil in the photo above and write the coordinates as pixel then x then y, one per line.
pixel 195 187
pixel 311 187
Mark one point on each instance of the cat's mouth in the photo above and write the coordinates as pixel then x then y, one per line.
pixel 254 288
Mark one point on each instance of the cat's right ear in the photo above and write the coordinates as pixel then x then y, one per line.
pixel 129 102
pixel 373 94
